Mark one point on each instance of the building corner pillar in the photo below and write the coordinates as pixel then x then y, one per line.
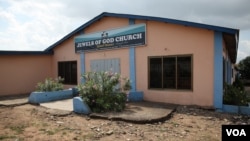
pixel 134 95
pixel 218 71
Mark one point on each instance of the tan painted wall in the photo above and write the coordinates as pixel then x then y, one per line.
pixel 108 23
pixel 19 74
pixel 163 39
pixel 66 52
pixel 167 39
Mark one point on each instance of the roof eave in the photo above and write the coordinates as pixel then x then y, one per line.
pixel 231 42
pixel 8 52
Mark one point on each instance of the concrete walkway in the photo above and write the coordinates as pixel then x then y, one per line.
pixel 66 105
pixel 13 101
pixel 137 112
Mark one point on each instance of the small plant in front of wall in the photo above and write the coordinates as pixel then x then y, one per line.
pixel 104 91
pixel 50 85
pixel 235 94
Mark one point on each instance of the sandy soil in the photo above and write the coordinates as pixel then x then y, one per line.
pixel 30 123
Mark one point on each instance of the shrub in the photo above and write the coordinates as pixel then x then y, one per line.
pixel 235 94
pixel 239 84
pixel 102 91
pixel 50 85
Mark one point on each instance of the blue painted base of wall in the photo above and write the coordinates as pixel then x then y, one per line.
pixel 230 108
pixel 245 110
pixel 236 109
pixel 135 96
pixel 79 106
pixel 41 97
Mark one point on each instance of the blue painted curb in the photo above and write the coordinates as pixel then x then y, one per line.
pixel 230 108
pixel 75 91
pixel 245 110
pixel 79 106
pixel 41 97
pixel 135 96
pixel 236 109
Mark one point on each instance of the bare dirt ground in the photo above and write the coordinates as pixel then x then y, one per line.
pixel 33 123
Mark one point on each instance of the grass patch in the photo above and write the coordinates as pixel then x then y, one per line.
pixel 49 132
pixel 64 133
pixel 34 111
pixel 209 138
pixel 3 137
pixel 175 124
pixel 89 136
pixel 45 124
pixel 18 129
pixel 42 130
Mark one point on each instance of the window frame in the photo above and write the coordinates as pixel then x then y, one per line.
pixel 176 71
pixel 65 63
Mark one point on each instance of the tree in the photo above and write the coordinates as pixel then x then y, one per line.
pixel 244 68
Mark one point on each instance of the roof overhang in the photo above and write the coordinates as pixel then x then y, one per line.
pixel 8 52
pixel 231 42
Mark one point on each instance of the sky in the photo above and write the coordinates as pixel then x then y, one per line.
pixel 34 25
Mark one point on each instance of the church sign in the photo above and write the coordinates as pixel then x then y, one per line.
pixel 129 36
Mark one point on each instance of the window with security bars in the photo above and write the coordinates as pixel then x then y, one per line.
pixel 68 71
pixel 170 72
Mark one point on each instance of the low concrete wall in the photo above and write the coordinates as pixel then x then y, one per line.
pixel 41 97
pixel 80 107
pixel 230 109
pixel 236 109
pixel 245 110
